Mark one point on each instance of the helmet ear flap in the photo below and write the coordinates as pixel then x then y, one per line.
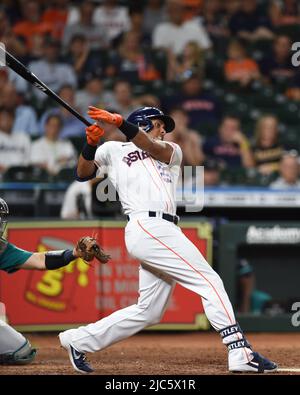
pixel 146 124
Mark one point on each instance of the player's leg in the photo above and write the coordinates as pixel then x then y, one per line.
pixel 155 289
pixel 15 349
pixel 163 245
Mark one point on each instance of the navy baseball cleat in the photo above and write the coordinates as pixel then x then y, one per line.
pixel 78 359
pixel 258 364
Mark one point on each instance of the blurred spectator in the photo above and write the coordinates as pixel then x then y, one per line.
pixel 277 66
pixel 50 152
pixel 200 106
pixel 192 8
pixel 122 99
pixel 77 203
pixel 31 27
pixel 230 148
pixel 7 36
pixel 215 20
pixel 14 147
pixel 92 94
pixel 137 25
pixel 293 90
pixel 154 13
pixel 288 172
pixel 251 23
pixel 72 127
pixel 96 34
pixel 56 15
pixel 192 58
pixel 212 173
pixel 230 7
pixel 267 150
pixel 176 33
pixel 188 139
pixel 25 119
pixel 130 62
pixel 51 71
pixel 85 62
pixel 285 12
pixel 114 19
pixel 240 67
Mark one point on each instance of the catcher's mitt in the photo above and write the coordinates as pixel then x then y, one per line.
pixel 87 248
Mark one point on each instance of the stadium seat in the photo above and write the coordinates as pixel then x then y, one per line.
pixel 25 174
pixel 67 174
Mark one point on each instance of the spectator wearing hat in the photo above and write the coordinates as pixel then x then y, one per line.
pixel 201 107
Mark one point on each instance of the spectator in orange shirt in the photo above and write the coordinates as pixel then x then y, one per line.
pixel 57 15
pixel 31 27
pixel 239 67
pixel 192 8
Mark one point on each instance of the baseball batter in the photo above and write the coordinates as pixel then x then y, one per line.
pixel 14 347
pixel 144 171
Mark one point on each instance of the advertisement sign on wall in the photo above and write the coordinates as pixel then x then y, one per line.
pixel 78 293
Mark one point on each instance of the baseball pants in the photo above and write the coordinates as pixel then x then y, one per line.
pixel 167 257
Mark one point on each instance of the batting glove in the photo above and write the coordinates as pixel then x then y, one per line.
pixel 93 134
pixel 101 115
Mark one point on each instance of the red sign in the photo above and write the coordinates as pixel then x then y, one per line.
pixel 78 293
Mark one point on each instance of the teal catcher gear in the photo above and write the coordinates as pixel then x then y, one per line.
pixel 3 216
pixel 24 355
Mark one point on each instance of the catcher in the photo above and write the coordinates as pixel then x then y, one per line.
pixel 14 347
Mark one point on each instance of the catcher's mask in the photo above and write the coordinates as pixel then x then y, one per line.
pixel 142 117
pixel 3 216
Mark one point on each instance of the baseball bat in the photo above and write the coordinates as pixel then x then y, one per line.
pixel 20 69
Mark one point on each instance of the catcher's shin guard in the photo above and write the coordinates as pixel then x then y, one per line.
pixel 24 355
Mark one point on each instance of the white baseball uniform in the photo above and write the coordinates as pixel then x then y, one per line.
pixel 167 256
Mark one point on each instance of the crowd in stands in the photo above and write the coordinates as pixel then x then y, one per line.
pixel 221 69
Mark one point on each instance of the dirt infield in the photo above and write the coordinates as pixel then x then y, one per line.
pixel 160 353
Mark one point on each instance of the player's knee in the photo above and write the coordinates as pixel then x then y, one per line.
pixel 24 355
pixel 151 317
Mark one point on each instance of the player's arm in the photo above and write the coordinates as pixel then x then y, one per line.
pixel 50 260
pixel 86 168
pixel 87 248
pixel 158 149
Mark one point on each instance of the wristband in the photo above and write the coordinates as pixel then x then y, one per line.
pixel 88 151
pixel 56 259
pixel 129 129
